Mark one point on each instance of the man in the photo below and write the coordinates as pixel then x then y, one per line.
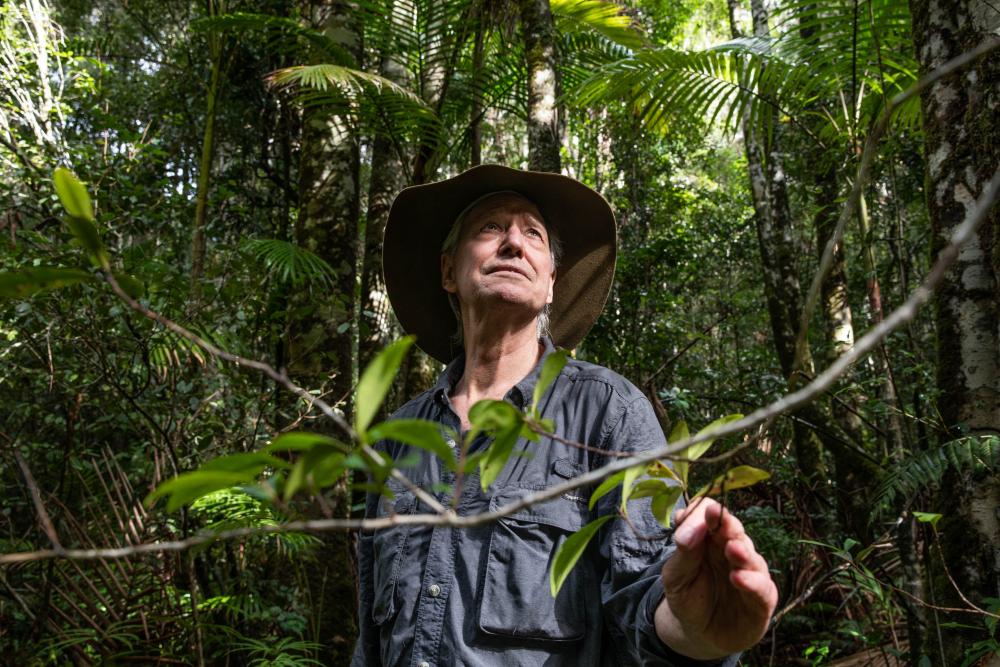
pixel 478 267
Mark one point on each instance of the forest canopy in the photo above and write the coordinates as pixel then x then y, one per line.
pixel 199 356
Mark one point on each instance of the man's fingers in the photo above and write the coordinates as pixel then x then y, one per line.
pixel 758 590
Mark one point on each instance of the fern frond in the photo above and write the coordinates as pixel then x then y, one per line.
pixel 975 454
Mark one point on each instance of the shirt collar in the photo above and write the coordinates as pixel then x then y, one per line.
pixel 519 394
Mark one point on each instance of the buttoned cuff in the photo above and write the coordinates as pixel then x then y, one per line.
pixel 652 648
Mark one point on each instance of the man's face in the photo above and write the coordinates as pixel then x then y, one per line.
pixel 502 256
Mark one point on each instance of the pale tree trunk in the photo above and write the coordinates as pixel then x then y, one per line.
pixel 813 429
pixel 322 355
pixel 961 118
pixel 544 117
pixel 777 253
pixel 207 158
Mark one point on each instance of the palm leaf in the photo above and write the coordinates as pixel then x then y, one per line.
pixel 605 18
pixel 290 263
pixel 285 34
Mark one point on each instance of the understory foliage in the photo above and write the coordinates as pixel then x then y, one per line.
pixel 117 430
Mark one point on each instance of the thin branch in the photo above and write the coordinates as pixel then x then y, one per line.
pixel 36 498
pixel 906 312
pixel 279 377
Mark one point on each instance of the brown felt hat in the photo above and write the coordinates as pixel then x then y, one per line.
pixel 422 215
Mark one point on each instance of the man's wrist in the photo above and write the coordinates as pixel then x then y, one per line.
pixel 680 640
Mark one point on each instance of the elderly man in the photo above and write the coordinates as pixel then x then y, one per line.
pixel 481 267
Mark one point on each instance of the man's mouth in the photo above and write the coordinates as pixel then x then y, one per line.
pixel 507 268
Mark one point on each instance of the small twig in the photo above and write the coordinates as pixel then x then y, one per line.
pixel 36 498
pixel 806 594
pixel 954 584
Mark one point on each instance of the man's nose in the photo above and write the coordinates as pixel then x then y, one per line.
pixel 513 241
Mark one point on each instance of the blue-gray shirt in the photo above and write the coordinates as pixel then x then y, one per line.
pixel 439 596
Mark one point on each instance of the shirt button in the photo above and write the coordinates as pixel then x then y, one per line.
pixel 433 590
pixel 451 443
pixel 423 663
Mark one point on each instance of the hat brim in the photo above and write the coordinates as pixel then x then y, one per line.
pixel 422 215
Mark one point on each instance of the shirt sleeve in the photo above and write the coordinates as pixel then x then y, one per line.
pixel 631 587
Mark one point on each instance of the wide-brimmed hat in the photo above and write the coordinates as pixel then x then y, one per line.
pixel 422 215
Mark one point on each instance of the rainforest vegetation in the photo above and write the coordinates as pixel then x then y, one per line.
pixel 195 337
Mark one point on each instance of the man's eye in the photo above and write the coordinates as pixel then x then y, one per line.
pixel 492 227
pixel 537 233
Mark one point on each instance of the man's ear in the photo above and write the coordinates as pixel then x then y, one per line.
pixel 552 285
pixel 448 273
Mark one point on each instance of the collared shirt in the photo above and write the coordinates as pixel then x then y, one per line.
pixel 441 596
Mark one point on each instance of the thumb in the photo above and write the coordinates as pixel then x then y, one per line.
pixel 689 538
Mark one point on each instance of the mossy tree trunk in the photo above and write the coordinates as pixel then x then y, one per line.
pixel 961 118
pixel 544 118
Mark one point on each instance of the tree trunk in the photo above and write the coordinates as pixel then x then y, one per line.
pixel 962 145
pixel 544 118
pixel 777 253
pixel 321 350
pixel 205 164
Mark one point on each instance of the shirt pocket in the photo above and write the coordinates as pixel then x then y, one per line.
pixel 388 546
pixel 516 600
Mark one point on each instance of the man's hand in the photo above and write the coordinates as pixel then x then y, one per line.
pixel 719 594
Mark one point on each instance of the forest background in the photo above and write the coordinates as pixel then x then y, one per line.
pixel 241 157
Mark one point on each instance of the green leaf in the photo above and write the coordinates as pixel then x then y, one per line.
pixel 492 464
pixel 663 504
pixel 606 486
pixel 130 284
pixel 73 194
pixel 927 517
pixel 697 450
pixel 569 553
pixel 647 487
pixel 607 18
pixel 375 382
pixel 631 475
pixel 26 282
pixel 660 469
pixel 417 432
pixel 190 486
pixel 506 424
pixel 677 434
pixel 86 234
pixel 322 465
pixel 491 415
pixel 551 368
pixel 735 478
pixel 298 441
pixel 252 462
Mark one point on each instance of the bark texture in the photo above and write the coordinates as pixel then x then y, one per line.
pixel 961 116
pixel 544 118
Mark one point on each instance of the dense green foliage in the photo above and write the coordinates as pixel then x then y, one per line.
pixel 190 120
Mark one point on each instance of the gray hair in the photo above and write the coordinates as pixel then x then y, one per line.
pixel 450 246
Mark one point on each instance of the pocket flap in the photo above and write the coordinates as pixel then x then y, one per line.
pixel 560 512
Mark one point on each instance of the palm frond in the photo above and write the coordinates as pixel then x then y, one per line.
pixel 604 18
pixel 290 263
pixel 284 34
pixel 974 454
